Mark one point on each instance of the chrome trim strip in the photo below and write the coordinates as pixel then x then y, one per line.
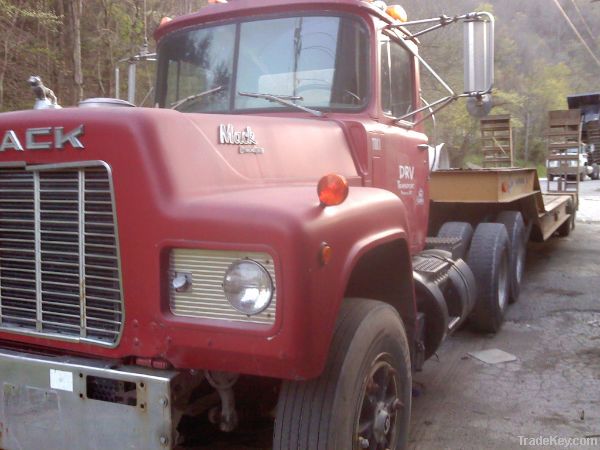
pixel 82 301
pixel 69 165
pixel 12 165
pixel 38 250
pixel 117 244
pixel 205 299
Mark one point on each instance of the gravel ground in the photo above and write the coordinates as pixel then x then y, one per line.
pixel 553 388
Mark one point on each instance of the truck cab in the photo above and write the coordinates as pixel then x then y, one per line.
pixel 341 64
pixel 257 238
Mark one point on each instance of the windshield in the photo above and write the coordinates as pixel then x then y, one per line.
pixel 319 61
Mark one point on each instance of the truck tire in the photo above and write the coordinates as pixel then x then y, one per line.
pixel 595 171
pixel 462 230
pixel 364 392
pixel 489 260
pixel 515 228
pixel 565 229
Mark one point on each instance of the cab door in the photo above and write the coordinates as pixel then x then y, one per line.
pixel 400 165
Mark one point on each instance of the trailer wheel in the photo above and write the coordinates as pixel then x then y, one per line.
pixel 363 397
pixel 565 229
pixel 462 230
pixel 515 227
pixel 489 260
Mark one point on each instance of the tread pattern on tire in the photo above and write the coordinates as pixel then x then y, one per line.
pixel 487 245
pixel 515 228
pixel 307 418
pixel 461 230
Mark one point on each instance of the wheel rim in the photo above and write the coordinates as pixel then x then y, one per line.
pixel 503 283
pixel 520 263
pixel 378 419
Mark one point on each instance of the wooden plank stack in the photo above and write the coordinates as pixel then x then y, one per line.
pixel 496 141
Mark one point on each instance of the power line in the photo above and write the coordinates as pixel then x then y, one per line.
pixel 583 20
pixel 577 32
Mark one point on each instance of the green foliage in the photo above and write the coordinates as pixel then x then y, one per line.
pixel 9 12
pixel 539 61
pixel 37 38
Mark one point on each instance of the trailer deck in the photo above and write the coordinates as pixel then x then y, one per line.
pixel 473 194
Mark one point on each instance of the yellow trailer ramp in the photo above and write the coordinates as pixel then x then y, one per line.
pixel 477 195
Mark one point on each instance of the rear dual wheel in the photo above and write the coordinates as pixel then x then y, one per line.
pixel 462 230
pixel 517 236
pixel 362 399
pixel 489 259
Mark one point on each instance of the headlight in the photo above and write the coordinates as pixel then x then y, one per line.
pixel 197 281
pixel 248 287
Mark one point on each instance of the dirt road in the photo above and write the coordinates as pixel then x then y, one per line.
pixel 553 389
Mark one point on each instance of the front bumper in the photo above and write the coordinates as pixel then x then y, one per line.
pixel 64 402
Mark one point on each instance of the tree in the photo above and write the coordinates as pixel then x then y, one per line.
pixel 75 10
pixel 19 44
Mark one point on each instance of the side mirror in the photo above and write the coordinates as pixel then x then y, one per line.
pixel 479 53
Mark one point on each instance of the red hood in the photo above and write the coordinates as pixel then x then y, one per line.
pixel 176 186
pixel 182 152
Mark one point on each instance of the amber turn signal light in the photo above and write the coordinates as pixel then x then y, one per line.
pixel 165 20
pixel 332 189
pixel 397 12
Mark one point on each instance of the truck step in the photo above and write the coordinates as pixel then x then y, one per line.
pixel 449 244
pixel 429 265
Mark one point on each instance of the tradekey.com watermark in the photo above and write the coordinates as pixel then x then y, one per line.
pixel 556 441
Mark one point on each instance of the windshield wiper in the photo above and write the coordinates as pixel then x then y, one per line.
pixel 183 101
pixel 286 100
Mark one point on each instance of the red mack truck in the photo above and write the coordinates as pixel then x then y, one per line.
pixel 273 238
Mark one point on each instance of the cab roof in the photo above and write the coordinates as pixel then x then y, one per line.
pixel 241 8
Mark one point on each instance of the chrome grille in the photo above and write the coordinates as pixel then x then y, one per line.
pixel 59 255
pixel 206 298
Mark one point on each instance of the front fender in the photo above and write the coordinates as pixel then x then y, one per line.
pixel 291 222
pixel 370 219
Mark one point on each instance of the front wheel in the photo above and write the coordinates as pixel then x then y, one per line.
pixel 362 399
